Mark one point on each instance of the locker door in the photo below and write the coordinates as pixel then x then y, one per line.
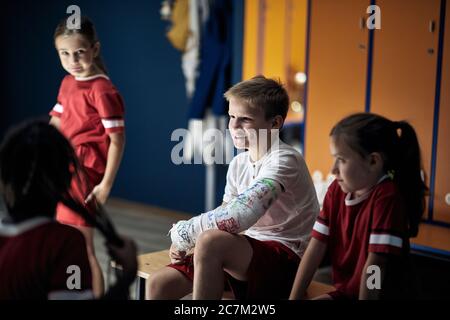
pixel 442 181
pixel 274 38
pixel 404 66
pixel 275 44
pixel 337 73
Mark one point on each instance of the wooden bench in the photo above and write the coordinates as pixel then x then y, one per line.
pixel 151 262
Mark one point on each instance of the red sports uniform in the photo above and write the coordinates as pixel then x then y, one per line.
pixel 89 109
pixel 36 258
pixel 375 222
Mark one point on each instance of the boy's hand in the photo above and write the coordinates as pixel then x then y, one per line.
pixel 99 193
pixel 176 257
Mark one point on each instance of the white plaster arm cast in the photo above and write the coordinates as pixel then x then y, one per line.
pixel 238 215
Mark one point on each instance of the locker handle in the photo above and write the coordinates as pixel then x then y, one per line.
pixel 431 26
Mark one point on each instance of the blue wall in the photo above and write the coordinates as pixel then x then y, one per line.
pixel 144 67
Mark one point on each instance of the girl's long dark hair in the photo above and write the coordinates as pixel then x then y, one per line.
pixel 87 30
pixel 37 165
pixel 397 142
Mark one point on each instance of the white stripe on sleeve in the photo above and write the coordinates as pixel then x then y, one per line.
pixel 113 123
pixel 386 239
pixel 321 228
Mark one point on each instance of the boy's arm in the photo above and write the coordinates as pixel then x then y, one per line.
pixel 308 265
pixel 377 260
pixel 238 215
pixel 115 153
pixel 177 256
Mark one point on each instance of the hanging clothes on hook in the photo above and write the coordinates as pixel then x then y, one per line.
pixel 198 15
pixel 178 32
pixel 187 18
pixel 208 108
pixel 215 62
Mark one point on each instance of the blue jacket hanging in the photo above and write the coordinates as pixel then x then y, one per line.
pixel 215 62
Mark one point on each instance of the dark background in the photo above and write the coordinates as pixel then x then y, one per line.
pixel 144 67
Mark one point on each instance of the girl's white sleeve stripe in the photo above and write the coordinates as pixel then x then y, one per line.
pixel 386 239
pixel 58 108
pixel 321 228
pixel 113 123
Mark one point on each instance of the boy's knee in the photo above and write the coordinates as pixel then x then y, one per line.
pixel 209 241
pixel 157 284
pixel 167 283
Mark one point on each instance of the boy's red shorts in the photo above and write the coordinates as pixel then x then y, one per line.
pixel 271 272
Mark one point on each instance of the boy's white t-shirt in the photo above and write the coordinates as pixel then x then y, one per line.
pixel 290 219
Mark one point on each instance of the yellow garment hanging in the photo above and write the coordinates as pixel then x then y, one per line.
pixel 179 31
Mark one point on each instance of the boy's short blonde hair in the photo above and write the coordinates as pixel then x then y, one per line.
pixel 267 94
